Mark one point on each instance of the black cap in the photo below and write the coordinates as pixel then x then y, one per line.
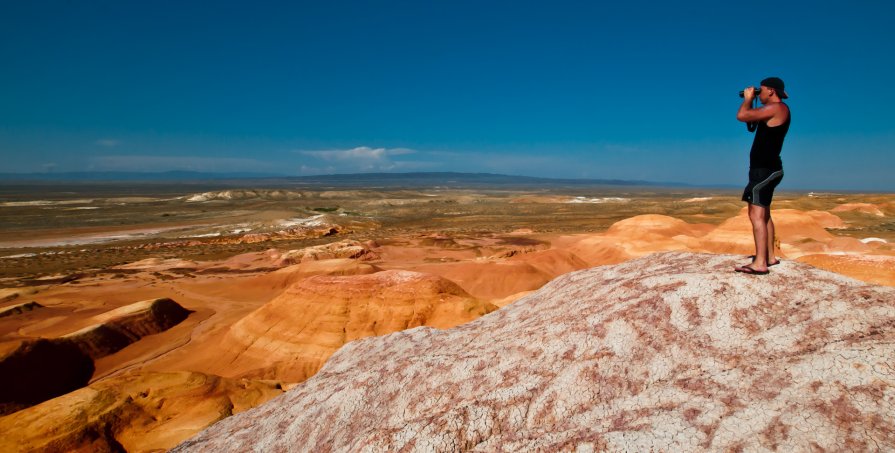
pixel 777 84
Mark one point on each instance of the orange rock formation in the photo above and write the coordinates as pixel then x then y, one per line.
pixel 38 370
pixel 141 412
pixel 291 337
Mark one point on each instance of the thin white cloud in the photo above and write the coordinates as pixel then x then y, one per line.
pixel 400 151
pixel 365 159
pixel 360 152
pixel 108 142
pixel 358 160
pixel 142 163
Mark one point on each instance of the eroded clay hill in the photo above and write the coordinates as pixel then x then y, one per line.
pixel 135 412
pixel 803 235
pixel 670 352
pixel 36 370
pixel 291 337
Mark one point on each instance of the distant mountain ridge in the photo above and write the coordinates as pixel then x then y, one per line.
pixel 107 176
pixel 451 179
pixel 456 178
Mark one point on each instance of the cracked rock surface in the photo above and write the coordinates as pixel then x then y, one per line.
pixel 670 352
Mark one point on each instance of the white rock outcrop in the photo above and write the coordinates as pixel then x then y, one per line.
pixel 670 352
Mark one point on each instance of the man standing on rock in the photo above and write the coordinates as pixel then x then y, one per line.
pixel 765 166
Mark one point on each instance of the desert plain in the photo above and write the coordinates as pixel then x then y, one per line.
pixel 134 315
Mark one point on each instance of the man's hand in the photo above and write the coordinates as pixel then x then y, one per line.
pixel 749 93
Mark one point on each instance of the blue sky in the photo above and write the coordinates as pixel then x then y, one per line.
pixel 634 90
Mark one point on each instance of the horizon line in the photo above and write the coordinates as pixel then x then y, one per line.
pixel 83 176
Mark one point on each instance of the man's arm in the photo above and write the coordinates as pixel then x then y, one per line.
pixel 747 114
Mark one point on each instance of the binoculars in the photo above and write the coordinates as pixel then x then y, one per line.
pixel 757 90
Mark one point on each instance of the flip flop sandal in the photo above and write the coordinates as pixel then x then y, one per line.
pixel 750 271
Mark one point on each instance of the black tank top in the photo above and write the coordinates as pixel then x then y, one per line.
pixel 767 145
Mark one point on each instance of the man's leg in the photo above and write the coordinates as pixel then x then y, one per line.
pixel 772 252
pixel 760 217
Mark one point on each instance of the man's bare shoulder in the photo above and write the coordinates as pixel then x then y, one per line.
pixel 779 111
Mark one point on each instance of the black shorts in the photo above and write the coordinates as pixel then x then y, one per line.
pixel 762 182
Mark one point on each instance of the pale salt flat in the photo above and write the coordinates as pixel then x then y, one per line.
pixel 305 222
pixel 598 200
